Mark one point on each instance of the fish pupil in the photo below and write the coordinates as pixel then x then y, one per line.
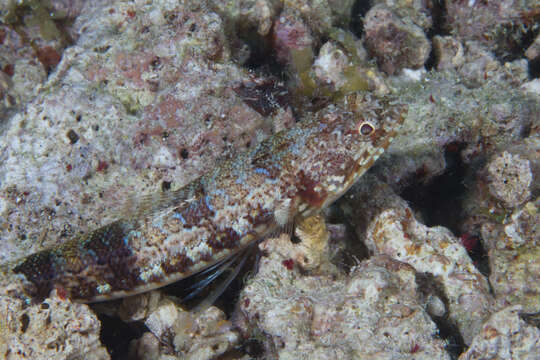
pixel 365 129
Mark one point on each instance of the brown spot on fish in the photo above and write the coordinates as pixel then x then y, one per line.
pixel 227 238
pixel 195 212
pixel 111 260
pixel 310 190
pixel 179 263
pixel 40 269
pixel 83 290
pixel 258 215
pixel 206 256
pixel 110 241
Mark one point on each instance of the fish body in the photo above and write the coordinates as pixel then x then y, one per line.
pixel 292 174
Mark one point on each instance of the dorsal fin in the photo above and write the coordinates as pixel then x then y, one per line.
pixel 155 203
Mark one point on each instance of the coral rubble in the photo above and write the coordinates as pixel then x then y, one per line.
pixel 434 254
pixel 53 329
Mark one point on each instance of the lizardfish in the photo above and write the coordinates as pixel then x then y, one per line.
pixel 292 174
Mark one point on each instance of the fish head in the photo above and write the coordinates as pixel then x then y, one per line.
pixel 373 124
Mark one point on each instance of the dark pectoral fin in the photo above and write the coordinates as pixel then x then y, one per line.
pixel 205 287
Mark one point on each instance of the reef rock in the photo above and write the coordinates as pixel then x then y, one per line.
pixel 395 42
pixel 505 336
pixel 53 329
pixel 387 225
pixel 179 334
pixel 371 313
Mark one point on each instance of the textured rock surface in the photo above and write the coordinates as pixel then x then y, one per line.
pixel 505 336
pixel 101 100
pixel 395 42
pixel 448 52
pixel 54 329
pixel 115 121
pixel 33 37
pixel 514 257
pixel 503 211
pixel 445 115
pixel 388 227
pixel 509 179
pixel 178 334
pixel 418 12
pixel 372 313
pixel 500 24
pixel 21 74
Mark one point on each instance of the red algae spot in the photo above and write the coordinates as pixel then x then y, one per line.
pixel 9 69
pixel 166 112
pixel 289 34
pixel 69 167
pixel 132 66
pixel 470 242
pixel 48 57
pixel 415 348
pixel 421 172
pixel 131 13
pixel 288 263
pixel 61 292
pixel 102 166
pixel 246 303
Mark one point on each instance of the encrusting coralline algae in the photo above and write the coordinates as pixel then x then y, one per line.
pixel 145 96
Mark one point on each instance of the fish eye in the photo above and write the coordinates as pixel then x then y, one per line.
pixel 365 128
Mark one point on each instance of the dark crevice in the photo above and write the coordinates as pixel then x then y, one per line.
pixel 353 250
pixel 448 330
pixel 261 58
pixel 534 68
pixel 440 202
pixel 254 348
pixel 116 335
pixel 432 60
pixel 295 239
pixel 517 38
pixel 438 15
pixel 531 319
pixel 358 11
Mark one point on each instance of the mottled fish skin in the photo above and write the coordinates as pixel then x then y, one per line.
pixel 295 173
